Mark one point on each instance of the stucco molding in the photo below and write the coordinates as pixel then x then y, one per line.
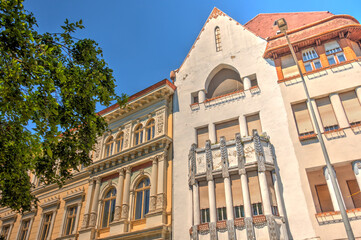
pixel 224 157
pixel 259 152
pixel 241 159
pixel 209 161
pixel 192 164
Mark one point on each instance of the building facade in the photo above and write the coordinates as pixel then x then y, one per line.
pixel 125 193
pixel 227 150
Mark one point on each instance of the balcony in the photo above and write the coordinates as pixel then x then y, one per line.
pixel 254 150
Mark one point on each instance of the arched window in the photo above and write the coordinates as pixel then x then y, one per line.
pixel 108 207
pixel 217 34
pixel 150 128
pixel 223 82
pixel 138 134
pixel 142 199
pixel 109 147
pixel 119 142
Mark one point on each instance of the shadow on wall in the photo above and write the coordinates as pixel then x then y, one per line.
pixel 280 185
pixel 175 102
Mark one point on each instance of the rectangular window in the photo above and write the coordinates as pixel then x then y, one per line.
pixel 70 220
pixel 303 120
pixel 328 117
pixel 202 136
pixel 317 64
pixel 309 54
pixel 253 124
pixel 205 217
pixel 227 130
pixel 257 209
pixel 221 214
pixel 331 59
pixel 5 231
pixel 254 191
pixel 355 193
pixel 239 211
pixel 341 57
pixel 308 67
pixel 24 229
pixel 352 107
pixel 46 226
pixel 332 47
pixel 324 198
pixel 289 67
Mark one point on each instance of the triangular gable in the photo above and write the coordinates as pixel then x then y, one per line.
pixel 214 14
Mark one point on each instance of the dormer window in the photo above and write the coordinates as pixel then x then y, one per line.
pixel 217 33
pixel 308 55
pixel 334 53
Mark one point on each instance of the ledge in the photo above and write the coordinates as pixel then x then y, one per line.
pixel 320 70
pixel 308 137
pixel 335 216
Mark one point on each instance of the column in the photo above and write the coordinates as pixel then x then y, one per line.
pixel 246 83
pixel 358 93
pixel 93 215
pixel 245 195
pixel 331 189
pixel 265 193
pixel 317 114
pixel 87 204
pixel 153 185
pixel 162 163
pixel 196 208
pixel 339 112
pixel 212 133
pixel 212 201
pixel 228 195
pixel 118 201
pixel 243 126
pixel 278 194
pixel 201 96
pixel 125 205
pixel 356 165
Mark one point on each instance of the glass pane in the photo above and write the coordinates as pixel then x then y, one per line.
pixel 331 60
pixel 219 213
pixel 254 208
pixel 146 182
pixel 136 138
pixel 242 211
pixel 114 192
pixel 207 213
pixel 141 137
pixel 341 58
pixel 146 201
pixel 138 206
pixel 69 226
pixel 260 209
pixel 105 214
pixel 140 185
pixel 308 67
pixel 108 194
pixel 317 64
pixel 149 133
pixel 44 233
pixel 112 210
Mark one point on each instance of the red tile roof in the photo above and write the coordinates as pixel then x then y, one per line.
pixel 262 24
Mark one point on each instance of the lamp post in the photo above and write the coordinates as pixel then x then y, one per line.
pixel 282 25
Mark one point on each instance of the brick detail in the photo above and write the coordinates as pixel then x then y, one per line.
pixel 279 68
pixel 324 61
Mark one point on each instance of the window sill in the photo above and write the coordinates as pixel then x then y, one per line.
pixel 221 224
pixel 308 137
pixel 333 131
pixel 335 216
pixel 138 222
pixel 260 219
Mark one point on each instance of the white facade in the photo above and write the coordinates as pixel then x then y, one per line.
pixel 241 52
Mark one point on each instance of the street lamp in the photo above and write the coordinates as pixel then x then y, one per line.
pixel 282 25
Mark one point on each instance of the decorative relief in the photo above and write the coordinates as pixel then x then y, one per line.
pixel 224 157
pixel 152 203
pixel 240 155
pixel 85 221
pixel 125 211
pixel 259 152
pixel 213 230
pixel 271 223
pixel 98 148
pixel 127 135
pixel 161 201
pixel 249 228
pixel 209 161
pixel 160 121
pixel 117 213
pixel 230 229
pixel 92 221
pixel 192 164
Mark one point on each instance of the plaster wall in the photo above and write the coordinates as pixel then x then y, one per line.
pixel 242 52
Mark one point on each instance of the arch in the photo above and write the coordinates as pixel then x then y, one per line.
pixel 108 207
pixel 109 147
pixel 119 141
pixel 222 80
pixel 150 129
pixel 141 198
pixel 138 134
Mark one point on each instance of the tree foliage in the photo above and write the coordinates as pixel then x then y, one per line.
pixel 52 82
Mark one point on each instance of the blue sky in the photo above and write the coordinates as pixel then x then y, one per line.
pixel 144 40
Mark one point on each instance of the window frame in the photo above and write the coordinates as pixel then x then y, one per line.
pixel 221 214
pixel 109 145
pixel 205 215
pixel 110 213
pixel 21 229
pixel 72 200
pixel 49 224
pixel 258 210
pixel 217 38
pixel 313 65
pixel 150 126
pixel 8 226
pixel 119 142
pixel 143 189
pixel 239 210
pixel 138 134
pixel 50 207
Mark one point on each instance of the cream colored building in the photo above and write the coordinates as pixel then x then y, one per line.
pixel 125 193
